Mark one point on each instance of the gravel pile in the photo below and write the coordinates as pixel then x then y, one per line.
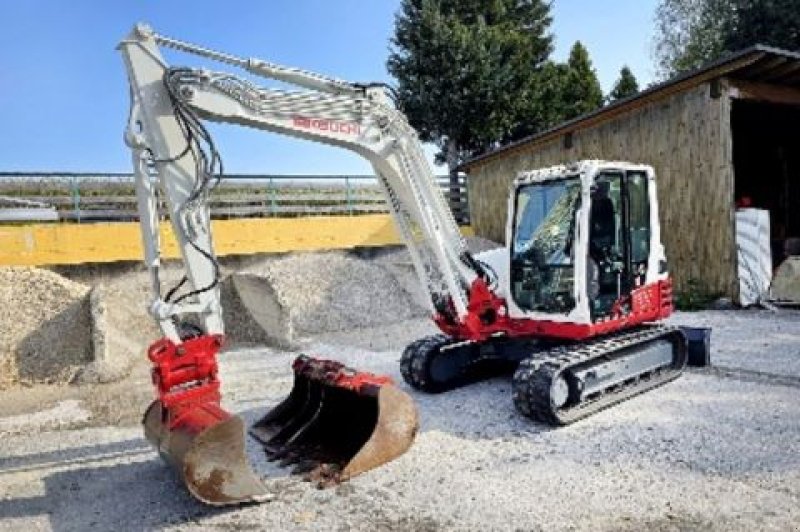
pixel 309 293
pixel 476 244
pixel 275 300
pixel 278 300
pixel 46 326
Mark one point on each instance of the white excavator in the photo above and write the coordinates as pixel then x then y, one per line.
pixel 569 303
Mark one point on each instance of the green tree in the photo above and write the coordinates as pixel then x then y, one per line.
pixel 465 69
pixel 581 92
pixel 690 33
pixel 546 105
pixel 625 86
pixel 771 22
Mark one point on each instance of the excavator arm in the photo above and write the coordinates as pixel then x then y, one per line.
pixel 165 130
pixel 336 422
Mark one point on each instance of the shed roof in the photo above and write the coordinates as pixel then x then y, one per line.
pixel 758 63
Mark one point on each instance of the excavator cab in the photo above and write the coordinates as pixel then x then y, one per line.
pixel 546 241
pixel 578 290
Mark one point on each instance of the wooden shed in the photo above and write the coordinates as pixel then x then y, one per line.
pixel 727 131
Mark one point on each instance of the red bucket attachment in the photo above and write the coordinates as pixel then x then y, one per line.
pixel 337 422
pixel 191 431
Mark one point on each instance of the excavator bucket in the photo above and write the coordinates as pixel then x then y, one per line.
pixel 204 443
pixel 336 422
pixel 206 448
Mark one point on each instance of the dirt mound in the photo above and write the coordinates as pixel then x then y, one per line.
pixel 308 293
pixel 92 324
pixel 276 300
pixel 476 244
pixel 253 313
pixel 58 330
pixel 46 329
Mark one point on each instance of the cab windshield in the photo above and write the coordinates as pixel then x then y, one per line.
pixel 542 254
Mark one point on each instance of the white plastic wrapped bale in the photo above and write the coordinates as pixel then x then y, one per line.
pixel 753 255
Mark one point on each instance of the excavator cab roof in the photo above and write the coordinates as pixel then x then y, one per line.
pixel 587 167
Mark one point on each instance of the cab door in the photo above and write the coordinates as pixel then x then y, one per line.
pixel 619 240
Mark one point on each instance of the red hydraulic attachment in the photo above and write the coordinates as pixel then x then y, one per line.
pixel 190 429
pixel 185 377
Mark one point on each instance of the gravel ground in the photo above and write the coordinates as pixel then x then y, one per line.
pixel 717 449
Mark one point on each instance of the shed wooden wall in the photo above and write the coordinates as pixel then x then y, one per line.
pixel 686 137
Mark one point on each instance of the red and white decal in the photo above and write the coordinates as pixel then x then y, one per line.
pixel 323 124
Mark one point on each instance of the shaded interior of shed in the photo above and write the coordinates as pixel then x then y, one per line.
pixel 766 159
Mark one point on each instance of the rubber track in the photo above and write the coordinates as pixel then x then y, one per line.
pixel 535 376
pixel 415 363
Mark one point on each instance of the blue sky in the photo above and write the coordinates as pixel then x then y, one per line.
pixel 64 97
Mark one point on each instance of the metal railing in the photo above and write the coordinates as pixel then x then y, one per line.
pixel 93 197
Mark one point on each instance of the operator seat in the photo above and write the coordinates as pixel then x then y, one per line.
pixel 602 222
pixel 602 280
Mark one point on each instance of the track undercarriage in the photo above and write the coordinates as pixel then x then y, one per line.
pixel 554 383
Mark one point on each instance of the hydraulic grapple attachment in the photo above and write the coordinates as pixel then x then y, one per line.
pixel 336 422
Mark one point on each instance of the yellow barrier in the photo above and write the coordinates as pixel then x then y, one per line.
pixel 50 244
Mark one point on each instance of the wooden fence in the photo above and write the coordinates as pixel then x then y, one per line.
pixel 102 197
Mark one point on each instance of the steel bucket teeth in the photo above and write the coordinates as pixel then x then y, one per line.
pixel 209 457
pixel 337 423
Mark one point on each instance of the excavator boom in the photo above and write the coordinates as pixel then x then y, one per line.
pixel 336 422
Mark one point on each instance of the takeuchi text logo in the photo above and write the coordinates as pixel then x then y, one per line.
pixel 323 124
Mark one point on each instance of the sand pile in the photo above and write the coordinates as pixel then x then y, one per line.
pixel 57 330
pixel 277 300
pixel 307 293
pixel 45 327
pixel 92 324
pixel 477 244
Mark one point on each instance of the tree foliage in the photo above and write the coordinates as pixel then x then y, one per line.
pixel 690 33
pixel 771 22
pixel 581 91
pixel 625 86
pixel 467 69
pixel 561 91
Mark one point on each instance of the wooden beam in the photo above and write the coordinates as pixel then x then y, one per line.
pixel 764 92
pixel 762 67
pixel 782 72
